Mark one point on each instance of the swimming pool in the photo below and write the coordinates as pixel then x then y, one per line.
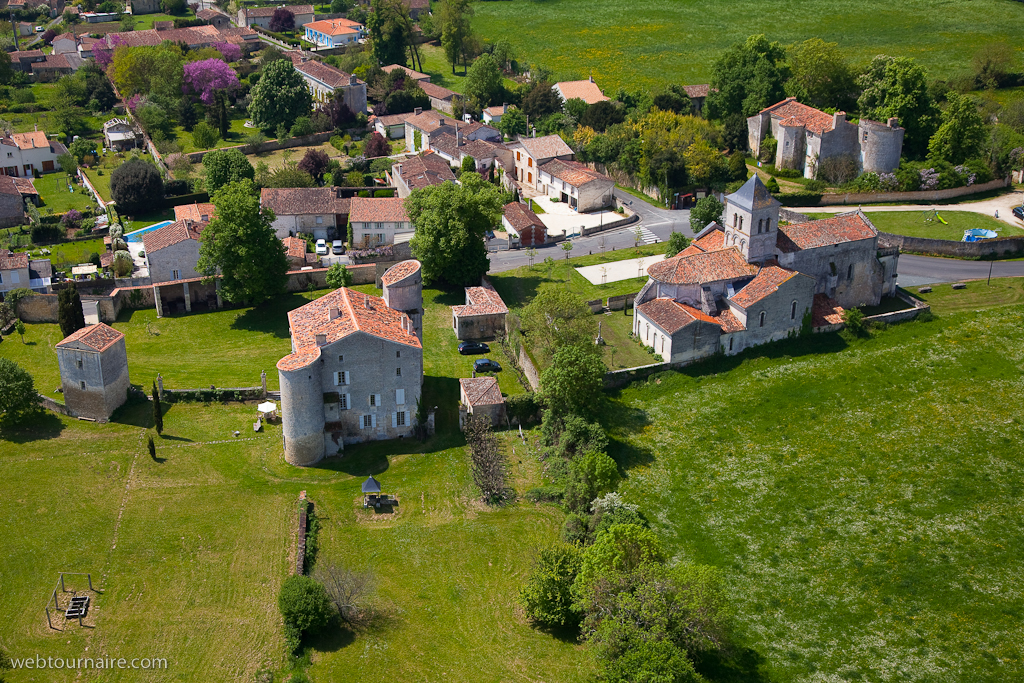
pixel 137 234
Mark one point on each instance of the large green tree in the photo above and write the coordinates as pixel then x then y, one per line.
pixel 484 86
pixel 136 186
pixel 240 245
pixel 707 210
pixel 451 221
pixel 512 123
pixel 388 29
pixel 279 97
pixel 820 75
pixel 455 30
pixel 897 87
pixel 547 597
pixel 962 133
pixel 747 78
pixel 18 396
pixel 557 318
pixel 225 166
pixel 574 379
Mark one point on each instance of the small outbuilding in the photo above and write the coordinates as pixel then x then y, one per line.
pixel 482 397
pixel 483 316
pixel 93 371
pixel 523 225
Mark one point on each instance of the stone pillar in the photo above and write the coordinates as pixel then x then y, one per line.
pixel 220 302
pixel 159 303
pixel 188 298
pixel 263 381
pixel 159 384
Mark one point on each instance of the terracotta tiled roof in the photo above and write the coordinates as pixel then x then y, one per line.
pixel 714 266
pixel 670 315
pixel 436 91
pixel 298 201
pixel 332 27
pixel 8 185
pixel 729 322
pixel 356 312
pixel 192 35
pixel 584 90
pixel 200 213
pixel 573 172
pixel 58 61
pixel 767 282
pixel 415 75
pixel 425 170
pixel 697 90
pixel 713 241
pixel 176 232
pixel 34 140
pixel 844 227
pixel 295 247
pixel 481 391
pixel 269 11
pixel 334 78
pixel 481 300
pixel 400 271
pixel 25 186
pixel 26 54
pixel 545 147
pixel 520 217
pixel 793 113
pixel 15 261
pixel 208 14
pixel 826 311
pixel 377 210
pixel 392 119
pixel 429 121
pixel 98 337
pixel 417 4
pixel 478 149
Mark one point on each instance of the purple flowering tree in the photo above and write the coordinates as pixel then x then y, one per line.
pixel 72 220
pixel 929 178
pixel 104 53
pixel 207 76
pixel 231 52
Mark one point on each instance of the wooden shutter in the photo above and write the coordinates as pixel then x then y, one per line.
pixel 337 378
pixel 400 397
pixel 373 420
pixel 394 419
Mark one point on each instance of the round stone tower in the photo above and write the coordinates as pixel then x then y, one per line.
pixel 403 291
pixel 881 145
pixel 302 409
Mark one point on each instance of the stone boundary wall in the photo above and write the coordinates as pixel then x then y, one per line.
pixel 270 145
pixel 618 303
pixel 49 404
pixel 611 226
pixel 300 535
pixel 996 247
pixel 625 180
pixel 532 376
pixel 92 190
pixel 792 216
pixel 904 197
pixel 916 308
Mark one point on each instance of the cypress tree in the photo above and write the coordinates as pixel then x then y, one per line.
pixel 152 447
pixel 70 316
pixel 158 418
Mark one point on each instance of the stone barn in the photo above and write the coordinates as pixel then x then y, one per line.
pixel 481 396
pixel 94 371
pixel 483 316
pixel 523 225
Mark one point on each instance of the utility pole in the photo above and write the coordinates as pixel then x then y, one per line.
pixel 990 264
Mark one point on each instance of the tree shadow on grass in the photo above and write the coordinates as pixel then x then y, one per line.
pixel 453 297
pixel 732 665
pixel 36 427
pixel 270 317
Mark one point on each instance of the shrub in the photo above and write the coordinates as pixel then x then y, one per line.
pixel 547 596
pixel 590 476
pixel 773 185
pixel 522 407
pixel 43 234
pixel 135 186
pixel 854 319
pixel 204 136
pixel 545 494
pixel 838 169
pixel 302 126
pixel 305 607
pixel 72 220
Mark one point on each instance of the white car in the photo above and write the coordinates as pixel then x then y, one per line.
pixel 337 246
pixel 39 29
pixel 321 247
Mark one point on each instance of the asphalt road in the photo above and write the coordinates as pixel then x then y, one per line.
pixel 925 270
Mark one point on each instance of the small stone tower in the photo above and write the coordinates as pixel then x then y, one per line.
pixel 403 291
pixel 93 371
pixel 751 220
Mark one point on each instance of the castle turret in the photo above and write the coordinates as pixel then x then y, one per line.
pixel 403 291
pixel 751 220
pixel 302 407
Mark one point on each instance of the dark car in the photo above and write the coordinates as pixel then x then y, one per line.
pixel 1018 212
pixel 468 348
pixel 486 365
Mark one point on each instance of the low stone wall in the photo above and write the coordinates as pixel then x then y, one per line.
pixel 916 307
pixel 298 280
pixel 529 369
pixel 52 405
pixel 596 306
pixel 38 308
pixel 300 535
pixel 993 248
pixel 628 220
pixel 618 303
pixel 620 378
pixel 271 145
pixel 792 216
pixel 905 197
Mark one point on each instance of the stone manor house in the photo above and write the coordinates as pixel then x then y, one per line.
pixel 752 281
pixel 806 136
pixel 356 367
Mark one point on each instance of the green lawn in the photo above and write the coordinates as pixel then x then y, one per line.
pixel 652 43
pixel 276 158
pixel 237 133
pixel 440 71
pixel 943 299
pixel 145 21
pixel 53 189
pixel 864 507
pixel 100 182
pixel 144 220
pixel 923 223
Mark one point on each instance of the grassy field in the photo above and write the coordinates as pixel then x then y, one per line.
pixel 977 296
pixel 440 71
pixel 53 189
pixel 651 43
pixel 865 506
pixel 915 223
pixel 276 158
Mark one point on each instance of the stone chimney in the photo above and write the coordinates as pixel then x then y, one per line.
pixel 417 111
pixel 366 302
pixel 838 118
pixel 458 138
pixel 591 78
pixel 333 313
pixel 893 122
pixel 321 339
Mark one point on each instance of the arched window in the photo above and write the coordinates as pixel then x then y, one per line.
pixel 730 343
pixel 741 222
pixel 762 318
pixel 792 312
pixel 735 218
pixel 734 238
pixel 663 343
pixel 760 223
pixel 647 332
pixel 767 224
pixel 743 244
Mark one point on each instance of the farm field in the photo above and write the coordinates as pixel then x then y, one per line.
pixel 864 504
pixel 914 223
pixel 651 44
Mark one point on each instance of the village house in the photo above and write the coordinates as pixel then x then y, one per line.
pixel 414 75
pixel 54 66
pixel 22 60
pixel 261 16
pixel 173 251
pixel 454 149
pixel 482 317
pixel 121 135
pixel 355 371
pixel 417 7
pixel 333 32
pixel 807 136
pixel 145 6
pixel 697 95
pixel 196 212
pixel 214 18
pixel 441 98
pixel 324 81
pixel 752 280
pixel 26 154
pixel 523 226
pixel 13 270
pixel 493 115
pixel 195 37
pixel 429 124
pixel 310 210
pixel 391 126
pixel 26 188
pixel 93 371
pixel 575 184
pixel 581 90
pixel 531 153
pixel 375 221
pixel 418 172
pixel 482 397
pixel 12 204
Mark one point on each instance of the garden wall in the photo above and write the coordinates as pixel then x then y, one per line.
pixel 916 308
pixel 38 308
pixel 993 248
pixel 907 197
pixel 270 145
pixel 529 369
